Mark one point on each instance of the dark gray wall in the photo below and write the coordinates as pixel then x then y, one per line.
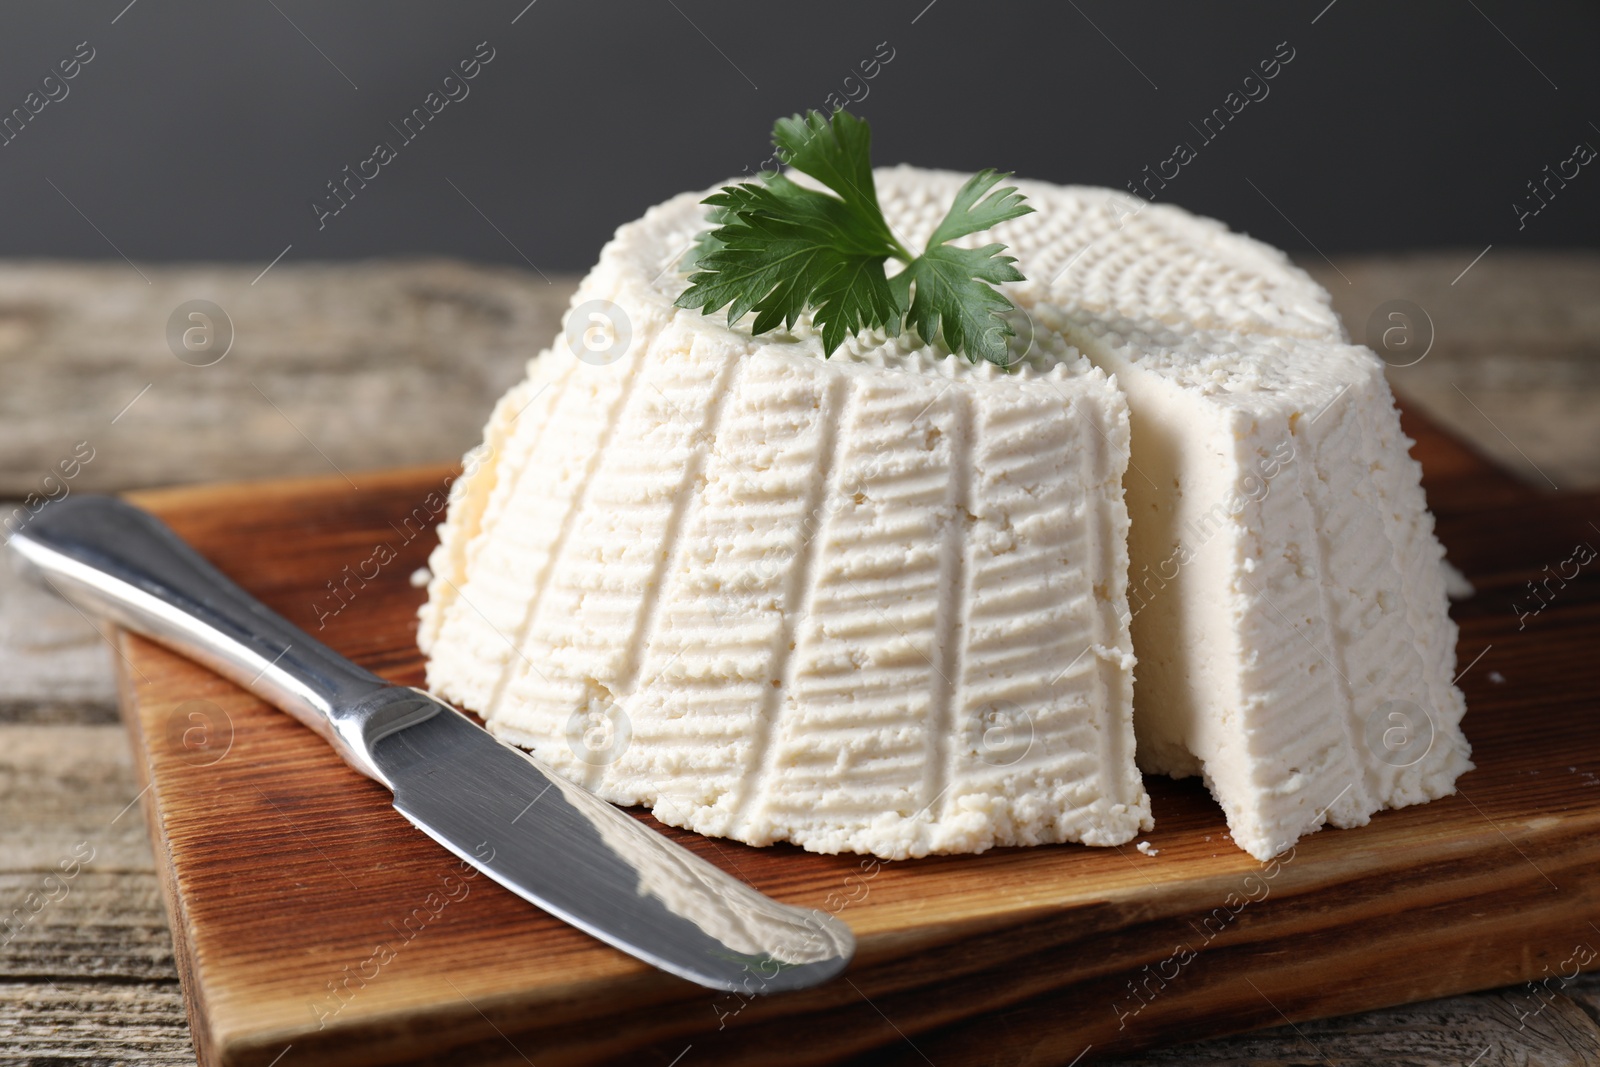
pixel 205 130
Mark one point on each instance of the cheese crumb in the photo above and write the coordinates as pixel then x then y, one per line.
pixel 1456 585
pixel 1149 850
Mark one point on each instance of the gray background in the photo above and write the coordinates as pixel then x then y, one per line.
pixel 203 131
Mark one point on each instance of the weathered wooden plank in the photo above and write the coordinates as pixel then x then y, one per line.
pixel 51 657
pixel 106 925
pixel 1501 1028
pixel 1584 990
pixel 66 785
pixel 1514 364
pixel 331 365
pixel 86 966
pixel 94 1024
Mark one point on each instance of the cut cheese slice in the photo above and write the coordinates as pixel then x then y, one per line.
pixel 1287 594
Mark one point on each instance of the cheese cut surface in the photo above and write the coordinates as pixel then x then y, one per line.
pixel 1287 594
pixel 881 602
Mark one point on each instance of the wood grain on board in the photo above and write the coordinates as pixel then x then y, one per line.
pixel 309 916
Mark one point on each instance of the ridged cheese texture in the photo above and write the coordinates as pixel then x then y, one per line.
pixel 881 602
pixel 871 603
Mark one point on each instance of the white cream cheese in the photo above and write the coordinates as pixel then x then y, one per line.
pixel 880 602
pixel 870 603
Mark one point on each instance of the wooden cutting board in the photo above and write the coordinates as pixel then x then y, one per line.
pixel 313 925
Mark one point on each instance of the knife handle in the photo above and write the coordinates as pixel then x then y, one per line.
pixel 113 559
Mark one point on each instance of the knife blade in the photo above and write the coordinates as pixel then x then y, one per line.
pixel 498 808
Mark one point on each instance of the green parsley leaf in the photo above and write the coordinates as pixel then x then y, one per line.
pixel 973 211
pixel 951 290
pixel 778 248
pixel 787 249
pixel 838 153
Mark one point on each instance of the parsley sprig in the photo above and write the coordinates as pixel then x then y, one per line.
pixel 777 248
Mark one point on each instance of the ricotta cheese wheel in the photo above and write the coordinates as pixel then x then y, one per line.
pixel 870 603
pixel 881 602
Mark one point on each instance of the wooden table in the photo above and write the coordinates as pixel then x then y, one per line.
pixel 345 368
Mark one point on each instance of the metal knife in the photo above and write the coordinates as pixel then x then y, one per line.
pixel 569 852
